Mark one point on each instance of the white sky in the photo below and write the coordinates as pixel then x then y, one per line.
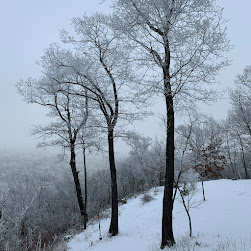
pixel 28 26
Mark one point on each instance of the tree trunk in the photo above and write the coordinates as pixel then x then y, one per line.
pixel 243 158
pixel 203 191
pixel 187 211
pixel 114 214
pixel 245 168
pixel 176 185
pixel 76 181
pixel 167 218
pixel 85 205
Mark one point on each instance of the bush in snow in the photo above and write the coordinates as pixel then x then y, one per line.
pixel 146 198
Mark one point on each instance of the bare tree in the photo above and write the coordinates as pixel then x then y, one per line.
pixel 70 113
pixel 187 189
pixel 180 45
pixel 231 149
pixel 183 145
pixel 206 149
pixel 242 151
pixel 140 152
pixel 157 161
pixel 238 147
pixel 240 113
pixel 239 116
pixel 107 78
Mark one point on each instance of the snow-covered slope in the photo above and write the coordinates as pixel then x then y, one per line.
pixel 222 222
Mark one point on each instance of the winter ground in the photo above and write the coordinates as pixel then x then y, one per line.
pixel 222 222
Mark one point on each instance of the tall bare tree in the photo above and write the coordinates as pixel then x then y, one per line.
pixel 107 78
pixel 239 116
pixel 238 122
pixel 69 113
pixel 179 43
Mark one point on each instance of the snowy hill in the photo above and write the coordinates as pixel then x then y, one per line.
pixel 222 222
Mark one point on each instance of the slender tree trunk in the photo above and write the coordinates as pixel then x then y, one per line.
pixel 203 190
pixel 114 214
pixel 245 167
pixel 76 181
pixel 167 218
pixel 176 185
pixel 99 228
pixel 85 205
pixel 232 163
pixel 187 211
pixel 243 158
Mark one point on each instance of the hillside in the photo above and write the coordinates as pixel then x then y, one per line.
pixel 222 222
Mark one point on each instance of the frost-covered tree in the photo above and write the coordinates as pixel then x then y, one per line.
pixel 187 189
pixel 69 113
pixel 239 115
pixel 231 151
pixel 179 44
pixel 144 167
pixel 207 148
pixel 139 156
pixel 104 69
pixel 38 204
pixel 157 161
pixel 205 152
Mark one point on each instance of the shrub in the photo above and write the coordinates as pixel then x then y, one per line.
pixel 146 198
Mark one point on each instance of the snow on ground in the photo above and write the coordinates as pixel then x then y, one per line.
pixel 222 222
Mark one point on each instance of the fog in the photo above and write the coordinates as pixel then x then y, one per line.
pixel 28 27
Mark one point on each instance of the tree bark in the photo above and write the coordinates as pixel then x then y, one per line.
pixel 114 214
pixel 85 204
pixel 167 220
pixel 167 217
pixel 203 190
pixel 76 181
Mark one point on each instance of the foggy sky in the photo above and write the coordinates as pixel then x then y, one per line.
pixel 29 26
